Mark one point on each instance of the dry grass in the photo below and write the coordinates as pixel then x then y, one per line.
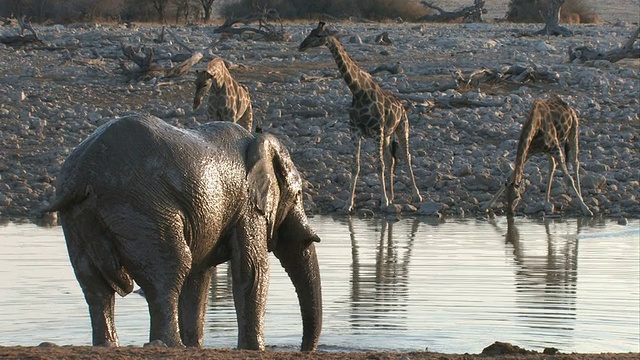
pixel 408 10
pixel 572 12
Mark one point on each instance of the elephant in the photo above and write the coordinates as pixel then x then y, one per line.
pixel 141 200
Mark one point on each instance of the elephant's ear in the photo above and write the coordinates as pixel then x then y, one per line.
pixel 273 181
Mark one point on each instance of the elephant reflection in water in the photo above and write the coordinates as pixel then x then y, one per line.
pixel 379 290
pixel 545 284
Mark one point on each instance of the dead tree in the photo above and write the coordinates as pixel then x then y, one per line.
pixel 7 21
pixel 21 39
pixel 147 69
pixel 383 39
pixel 584 53
pixel 468 14
pixel 265 29
pixel 552 20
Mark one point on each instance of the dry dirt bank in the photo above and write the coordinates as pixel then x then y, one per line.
pixel 87 353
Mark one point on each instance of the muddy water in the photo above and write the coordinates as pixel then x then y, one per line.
pixel 449 286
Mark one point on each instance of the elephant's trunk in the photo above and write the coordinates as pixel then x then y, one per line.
pixel 300 261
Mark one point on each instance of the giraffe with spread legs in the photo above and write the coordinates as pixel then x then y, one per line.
pixel 374 113
pixel 228 99
pixel 551 129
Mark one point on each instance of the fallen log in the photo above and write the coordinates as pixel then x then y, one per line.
pixel 628 51
pixel 267 30
pixel 468 14
pixel 513 74
pixel 21 39
pixel 147 69
pixel 392 69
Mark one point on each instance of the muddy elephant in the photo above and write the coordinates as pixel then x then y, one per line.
pixel 143 200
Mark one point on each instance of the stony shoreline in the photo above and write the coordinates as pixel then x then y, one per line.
pixel 55 97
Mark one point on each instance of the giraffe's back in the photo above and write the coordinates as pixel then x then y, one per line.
pixel 554 119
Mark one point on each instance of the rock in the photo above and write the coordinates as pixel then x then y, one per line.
pixel 47 344
pixel 155 344
pixel 430 208
pixel 461 155
pixel 500 348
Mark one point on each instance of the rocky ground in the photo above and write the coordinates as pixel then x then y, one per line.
pixel 55 96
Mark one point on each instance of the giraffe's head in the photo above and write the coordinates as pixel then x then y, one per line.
pixel 514 192
pixel 203 84
pixel 317 37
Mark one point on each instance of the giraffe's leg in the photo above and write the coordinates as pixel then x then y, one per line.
pixel 568 179
pixel 383 150
pixel 494 199
pixel 552 170
pixel 387 144
pixel 403 138
pixel 392 168
pixel 355 170
pixel 498 193
pixel 572 150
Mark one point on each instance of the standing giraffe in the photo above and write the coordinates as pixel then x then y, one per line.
pixel 552 129
pixel 228 99
pixel 374 113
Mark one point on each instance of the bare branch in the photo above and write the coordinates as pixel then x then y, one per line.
pixel 628 51
pixel 25 24
pixel 266 29
pixel 471 13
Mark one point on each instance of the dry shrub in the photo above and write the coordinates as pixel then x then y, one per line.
pixel 408 10
pixel 579 9
pixel 572 12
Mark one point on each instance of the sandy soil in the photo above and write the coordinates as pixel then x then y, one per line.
pixel 47 353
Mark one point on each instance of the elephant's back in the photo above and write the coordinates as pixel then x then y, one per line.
pixel 144 153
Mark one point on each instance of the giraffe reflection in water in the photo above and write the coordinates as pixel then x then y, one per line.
pixel 379 291
pixel 546 277
pixel 221 300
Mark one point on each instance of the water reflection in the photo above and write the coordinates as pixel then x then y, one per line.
pixel 221 310
pixel 452 286
pixel 379 289
pixel 546 276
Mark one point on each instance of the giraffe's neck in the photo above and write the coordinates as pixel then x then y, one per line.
pixel 353 75
pixel 524 145
pixel 219 77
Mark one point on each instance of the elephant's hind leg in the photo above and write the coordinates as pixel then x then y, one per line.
pixel 156 254
pixel 100 297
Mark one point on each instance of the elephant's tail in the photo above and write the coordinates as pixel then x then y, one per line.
pixel 97 243
pixel 66 199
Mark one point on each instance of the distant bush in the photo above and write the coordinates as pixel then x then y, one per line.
pixel 531 11
pixel 408 10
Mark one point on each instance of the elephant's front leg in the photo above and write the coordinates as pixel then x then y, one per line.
pixel 250 272
pixel 192 307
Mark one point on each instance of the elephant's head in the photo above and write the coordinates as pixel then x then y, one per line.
pixel 275 189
